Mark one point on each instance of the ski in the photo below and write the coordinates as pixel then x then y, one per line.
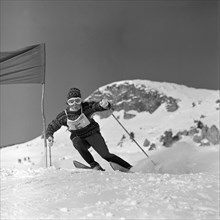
pixel 79 165
pixel 118 167
pixel 115 167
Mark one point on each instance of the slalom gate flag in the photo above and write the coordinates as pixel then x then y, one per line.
pixel 26 66
pixel 23 66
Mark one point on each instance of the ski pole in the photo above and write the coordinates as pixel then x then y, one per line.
pixel 133 139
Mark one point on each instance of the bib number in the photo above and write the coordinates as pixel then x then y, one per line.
pixel 81 122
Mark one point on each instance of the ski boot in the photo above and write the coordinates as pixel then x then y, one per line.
pixel 95 166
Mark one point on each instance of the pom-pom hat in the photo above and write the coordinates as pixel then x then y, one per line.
pixel 73 93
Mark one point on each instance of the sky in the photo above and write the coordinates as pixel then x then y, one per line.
pixel 93 43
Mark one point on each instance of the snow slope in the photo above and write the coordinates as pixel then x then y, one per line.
pixel 185 187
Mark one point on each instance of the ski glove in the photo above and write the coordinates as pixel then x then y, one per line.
pixel 104 103
pixel 50 141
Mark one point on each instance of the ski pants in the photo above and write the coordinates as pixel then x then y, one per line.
pixel 97 142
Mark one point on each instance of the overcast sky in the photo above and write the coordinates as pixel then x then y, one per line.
pixel 93 43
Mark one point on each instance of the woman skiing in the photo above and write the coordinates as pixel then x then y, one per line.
pixel 85 131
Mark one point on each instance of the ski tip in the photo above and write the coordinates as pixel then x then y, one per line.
pixel 77 164
pixel 80 165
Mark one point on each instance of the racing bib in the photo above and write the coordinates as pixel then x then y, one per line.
pixel 81 122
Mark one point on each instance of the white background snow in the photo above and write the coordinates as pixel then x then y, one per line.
pixel 186 186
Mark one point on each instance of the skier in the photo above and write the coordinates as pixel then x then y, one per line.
pixel 85 131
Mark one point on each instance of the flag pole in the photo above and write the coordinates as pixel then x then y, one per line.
pixel 44 122
pixel 43 115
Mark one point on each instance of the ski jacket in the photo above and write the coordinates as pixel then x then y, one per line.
pixel 88 109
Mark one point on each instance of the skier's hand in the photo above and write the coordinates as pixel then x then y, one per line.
pixel 104 103
pixel 50 141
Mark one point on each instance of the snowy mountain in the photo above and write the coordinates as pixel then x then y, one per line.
pixel 155 107
pixel 186 186
pixel 148 96
pixel 135 95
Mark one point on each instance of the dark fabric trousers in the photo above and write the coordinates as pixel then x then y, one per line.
pixel 98 144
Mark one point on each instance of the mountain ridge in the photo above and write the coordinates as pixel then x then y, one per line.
pixel 148 96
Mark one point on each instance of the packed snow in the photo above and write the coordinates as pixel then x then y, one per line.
pixel 183 185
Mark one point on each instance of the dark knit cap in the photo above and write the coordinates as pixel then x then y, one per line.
pixel 73 92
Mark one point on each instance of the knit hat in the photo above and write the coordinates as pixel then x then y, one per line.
pixel 73 92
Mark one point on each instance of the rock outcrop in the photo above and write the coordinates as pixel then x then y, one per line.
pixel 127 97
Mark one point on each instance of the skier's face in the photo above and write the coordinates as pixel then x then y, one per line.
pixel 74 103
